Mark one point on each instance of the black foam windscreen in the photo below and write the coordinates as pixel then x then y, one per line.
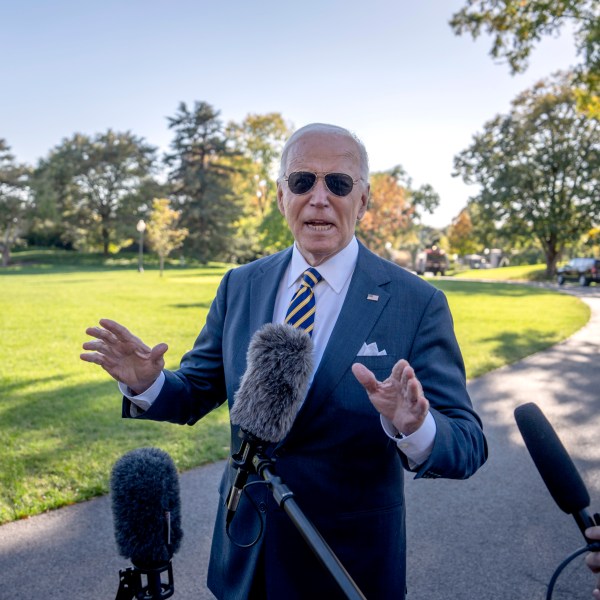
pixel 551 459
pixel 146 507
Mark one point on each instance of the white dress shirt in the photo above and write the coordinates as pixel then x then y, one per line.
pixel 330 294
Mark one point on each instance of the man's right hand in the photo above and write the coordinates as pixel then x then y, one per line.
pixel 124 356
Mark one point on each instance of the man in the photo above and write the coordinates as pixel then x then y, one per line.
pixel 388 391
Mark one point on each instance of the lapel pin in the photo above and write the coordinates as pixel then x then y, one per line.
pixel 373 297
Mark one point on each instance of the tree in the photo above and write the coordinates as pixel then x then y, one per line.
pixel 518 25
pixel 460 234
pixel 201 168
pixel 394 207
pixel 13 209
pixel 389 212
pixel 88 179
pixel 259 139
pixel 162 231
pixel 538 168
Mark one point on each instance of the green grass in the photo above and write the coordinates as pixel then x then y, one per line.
pixel 60 425
pixel 518 273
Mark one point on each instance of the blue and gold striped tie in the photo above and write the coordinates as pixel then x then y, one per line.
pixel 301 311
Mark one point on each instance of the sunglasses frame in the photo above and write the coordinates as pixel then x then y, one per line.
pixel 322 176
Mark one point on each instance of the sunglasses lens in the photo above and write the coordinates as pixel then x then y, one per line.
pixel 339 184
pixel 301 182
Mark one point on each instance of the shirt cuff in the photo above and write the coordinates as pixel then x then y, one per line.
pixel 144 400
pixel 418 445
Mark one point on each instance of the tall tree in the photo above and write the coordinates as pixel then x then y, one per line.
pixel 517 26
pixel 13 209
pixel 259 139
pixel 201 168
pixel 538 168
pixel 89 178
pixel 164 234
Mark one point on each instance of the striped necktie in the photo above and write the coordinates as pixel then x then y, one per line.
pixel 301 311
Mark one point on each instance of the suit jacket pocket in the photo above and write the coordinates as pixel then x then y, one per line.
pixel 378 364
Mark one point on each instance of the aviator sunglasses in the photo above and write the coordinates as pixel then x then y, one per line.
pixel 339 184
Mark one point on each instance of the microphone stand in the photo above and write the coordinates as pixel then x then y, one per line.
pixel 285 499
pixel 130 583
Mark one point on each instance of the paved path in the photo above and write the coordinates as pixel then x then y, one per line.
pixel 498 535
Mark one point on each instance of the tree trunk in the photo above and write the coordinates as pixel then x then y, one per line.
pixel 105 240
pixel 552 255
pixel 161 259
pixel 5 255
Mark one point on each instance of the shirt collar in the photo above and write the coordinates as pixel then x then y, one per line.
pixel 335 270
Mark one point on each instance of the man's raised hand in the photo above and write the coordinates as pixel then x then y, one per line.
pixel 399 398
pixel 124 356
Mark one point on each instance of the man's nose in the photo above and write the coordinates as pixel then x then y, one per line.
pixel 320 193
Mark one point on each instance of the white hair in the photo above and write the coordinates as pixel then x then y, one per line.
pixel 326 128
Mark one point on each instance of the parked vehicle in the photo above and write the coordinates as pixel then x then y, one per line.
pixel 432 259
pixel 582 270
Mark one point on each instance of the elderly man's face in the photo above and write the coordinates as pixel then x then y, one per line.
pixel 321 222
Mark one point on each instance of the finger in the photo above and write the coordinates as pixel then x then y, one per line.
pixel 593 532
pixel 117 329
pixel 365 377
pixel 101 334
pixel 97 346
pixel 95 358
pixel 592 560
pixel 398 369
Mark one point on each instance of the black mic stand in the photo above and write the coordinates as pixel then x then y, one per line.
pixel 131 584
pixel 250 458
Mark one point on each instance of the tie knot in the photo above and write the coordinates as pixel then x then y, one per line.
pixel 311 277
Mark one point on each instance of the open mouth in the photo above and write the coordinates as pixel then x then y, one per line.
pixel 319 226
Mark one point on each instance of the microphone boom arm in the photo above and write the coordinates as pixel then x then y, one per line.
pixel 285 499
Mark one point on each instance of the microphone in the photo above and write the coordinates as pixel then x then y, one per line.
pixel 279 366
pixel 146 512
pixel 554 464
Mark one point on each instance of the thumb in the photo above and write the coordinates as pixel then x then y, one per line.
pixel 158 351
pixel 365 377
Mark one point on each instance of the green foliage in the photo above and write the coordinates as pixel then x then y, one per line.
pixel 13 206
pixel 163 234
pixel 538 168
pixel 259 140
pixel 518 25
pixel 88 184
pixel 201 169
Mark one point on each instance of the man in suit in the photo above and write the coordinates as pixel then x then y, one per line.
pixel 388 391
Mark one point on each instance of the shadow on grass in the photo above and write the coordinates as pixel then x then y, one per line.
pixel 513 346
pixel 59 445
pixel 205 304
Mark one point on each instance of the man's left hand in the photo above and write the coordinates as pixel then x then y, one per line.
pixel 399 398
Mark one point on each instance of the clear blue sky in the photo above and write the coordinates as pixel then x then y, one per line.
pixel 390 70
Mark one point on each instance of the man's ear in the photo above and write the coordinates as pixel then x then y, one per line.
pixel 280 199
pixel 364 202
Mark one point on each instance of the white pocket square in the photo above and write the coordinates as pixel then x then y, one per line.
pixel 371 350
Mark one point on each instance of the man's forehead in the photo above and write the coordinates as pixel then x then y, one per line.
pixel 321 145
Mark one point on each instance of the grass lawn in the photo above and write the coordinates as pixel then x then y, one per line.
pixel 517 273
pixel 60 425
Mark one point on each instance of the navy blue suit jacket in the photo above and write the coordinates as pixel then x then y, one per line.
pixel 346 474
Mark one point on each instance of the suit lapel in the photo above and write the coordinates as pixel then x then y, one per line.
pixel 263 290
pixel 363 306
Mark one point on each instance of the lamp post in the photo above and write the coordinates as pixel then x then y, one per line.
pixel 141 227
